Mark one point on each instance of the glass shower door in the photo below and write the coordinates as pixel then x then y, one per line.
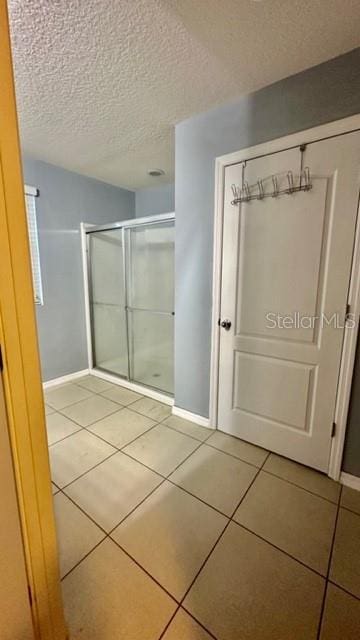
pixel 150 304
pixel 107 301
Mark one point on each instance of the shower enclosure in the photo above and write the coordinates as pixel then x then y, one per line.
pixel 131 299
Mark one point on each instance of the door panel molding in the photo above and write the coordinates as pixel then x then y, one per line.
pixel 323 132
pixel 285 375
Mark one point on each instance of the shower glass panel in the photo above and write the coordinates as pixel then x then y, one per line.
pixel 150 304
pixel 107 301
pixel 131 295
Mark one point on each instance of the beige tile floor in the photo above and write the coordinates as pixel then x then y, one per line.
pixel 170 531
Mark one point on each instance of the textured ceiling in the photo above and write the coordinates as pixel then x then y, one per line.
pixel 101 83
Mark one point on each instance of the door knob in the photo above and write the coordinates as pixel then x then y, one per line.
pixel 225 324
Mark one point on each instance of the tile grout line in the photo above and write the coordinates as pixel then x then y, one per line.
pixel 181 608
pixel 66 406
pixel 167 478
pixel 91 423
pixel 65 486
pixel 201 442
pixel 252 464
pixel 121 450
pixel 355 513
pixel 85 514
pixel 195 497
pixel 210 633
pixel 125 445
pixel 99 463
pixel 322 610
pixel 321 618
pixel 335 584
pixel 163 424
pixel 274 546
pixel 134 508
pixel 160 475
pixel 118 386
pixel 100 394
pixel 83 558
pixel 158 472
pixel 178 486
pixel 164 478
pixel 108 534
pixel 271 473
pixel 211 552
pixel 65 437
pixel 294 484
pixel 88 429
pixel 113 385
pixel 111 444
pixel 108 537
pixel 144 570
pixel 157 423
pixel 212 432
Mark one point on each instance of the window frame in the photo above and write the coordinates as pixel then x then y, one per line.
pixel 33 235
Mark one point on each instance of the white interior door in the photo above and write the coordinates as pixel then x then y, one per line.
pixel 285 273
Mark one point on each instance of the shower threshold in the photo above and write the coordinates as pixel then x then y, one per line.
pixel 121 381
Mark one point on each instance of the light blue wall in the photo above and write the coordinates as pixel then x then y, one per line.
pixel 154 200
pixel 65 200
pixel 327 92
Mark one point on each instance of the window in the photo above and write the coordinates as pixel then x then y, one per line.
pixel 30 198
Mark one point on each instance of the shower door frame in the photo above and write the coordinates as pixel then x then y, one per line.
pixel 86 230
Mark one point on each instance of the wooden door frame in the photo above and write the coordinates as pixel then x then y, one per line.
pixel 21 373
pixel 332 129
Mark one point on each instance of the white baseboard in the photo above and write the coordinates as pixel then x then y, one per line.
pixel 145 391
pixel 192 417
pixel 350 481
pixel 64 379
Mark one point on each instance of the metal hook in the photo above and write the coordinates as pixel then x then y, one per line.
pixel 261 193
pixel 245 193
pixel 275 192
pixel 307 179
pixel 234 189
pixel 290 179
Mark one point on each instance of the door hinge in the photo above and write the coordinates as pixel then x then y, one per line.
pixel 30 595
pixel 333 430
pixel 1 360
